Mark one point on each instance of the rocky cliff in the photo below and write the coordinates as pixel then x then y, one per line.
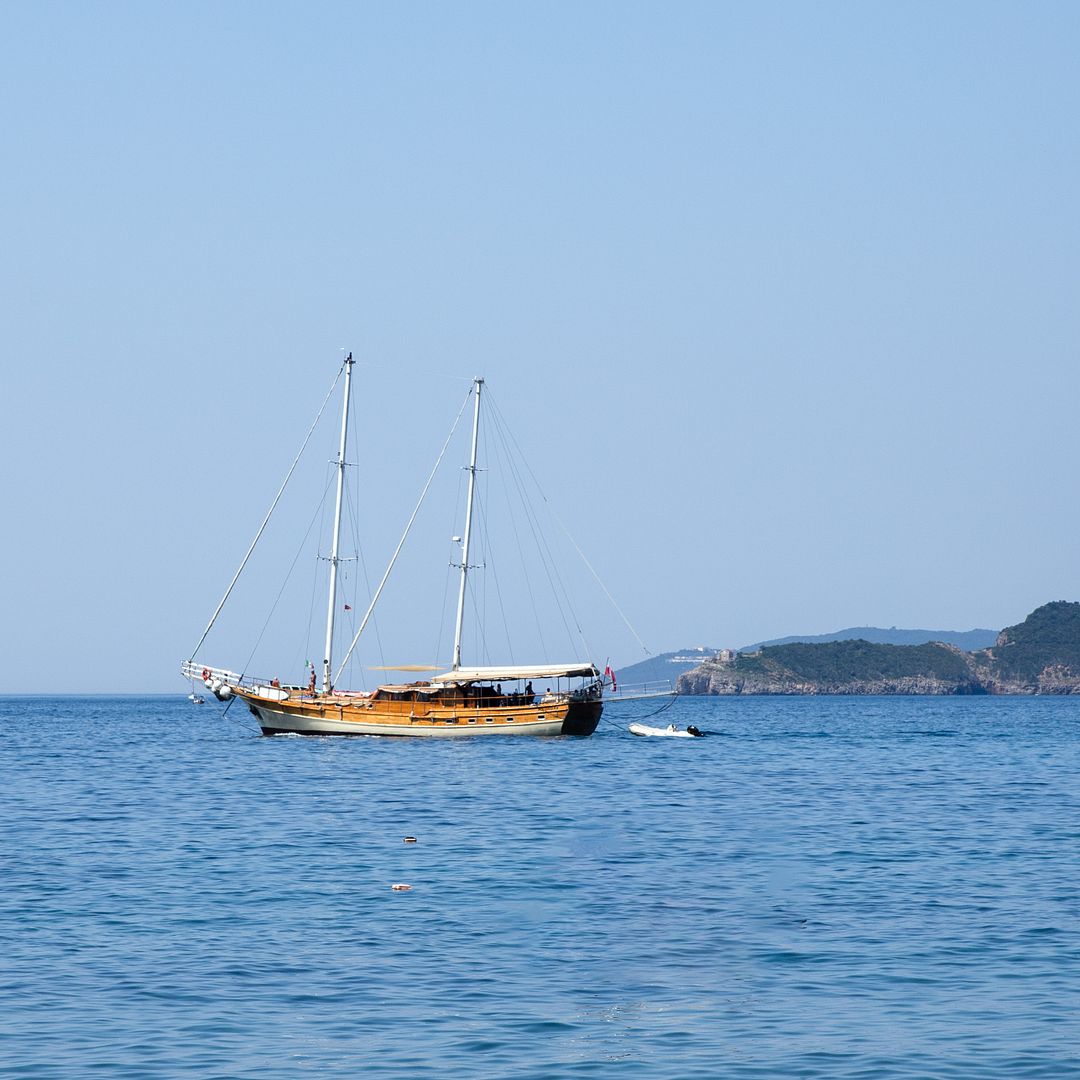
pixel 1041 655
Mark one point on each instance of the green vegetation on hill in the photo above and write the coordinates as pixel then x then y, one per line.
pixel 968 640
pixel 1048 637
pixel 846 661
pixel 1057 623
pixel 1041 655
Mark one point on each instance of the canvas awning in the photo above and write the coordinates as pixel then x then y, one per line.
pixel 508 674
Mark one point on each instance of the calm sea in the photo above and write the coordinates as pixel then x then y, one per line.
pixel 821 888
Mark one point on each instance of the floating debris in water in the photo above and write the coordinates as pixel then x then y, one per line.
pixel 400 887
pixel 410 840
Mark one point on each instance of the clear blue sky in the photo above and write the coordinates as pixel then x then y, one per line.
pixel 782 295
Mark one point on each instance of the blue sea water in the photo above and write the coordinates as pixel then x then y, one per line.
pixel 823 887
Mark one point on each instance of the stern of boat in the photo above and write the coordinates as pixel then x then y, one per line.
pixel 584 710
pixel 582 717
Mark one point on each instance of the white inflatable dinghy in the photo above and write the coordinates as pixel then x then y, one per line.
pixel 670 732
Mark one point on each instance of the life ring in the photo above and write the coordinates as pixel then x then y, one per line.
pixel 205 673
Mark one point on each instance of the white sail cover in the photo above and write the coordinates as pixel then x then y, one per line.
pixel 508 674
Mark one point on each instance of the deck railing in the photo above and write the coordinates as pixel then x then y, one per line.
pixel 627 691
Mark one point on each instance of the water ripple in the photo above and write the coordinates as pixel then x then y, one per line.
pixel 855 888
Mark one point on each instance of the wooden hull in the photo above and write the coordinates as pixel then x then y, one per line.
pixel 314 715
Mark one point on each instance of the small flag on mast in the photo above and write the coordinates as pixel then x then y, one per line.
pixel 348 607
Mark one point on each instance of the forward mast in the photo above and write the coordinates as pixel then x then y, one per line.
pixel 331 605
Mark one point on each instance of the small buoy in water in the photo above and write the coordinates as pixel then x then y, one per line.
pixel 410 840
pixel 399 887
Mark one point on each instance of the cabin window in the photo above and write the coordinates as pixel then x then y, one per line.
pixel 540 717
pixel 490 720
pixel 509 719
pixel 472 719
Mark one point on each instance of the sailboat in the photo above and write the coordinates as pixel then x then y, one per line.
pixel 463 701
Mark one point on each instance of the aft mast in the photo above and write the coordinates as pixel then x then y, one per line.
pixel 332 602
pixel 468 530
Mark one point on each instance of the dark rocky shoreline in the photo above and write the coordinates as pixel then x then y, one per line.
pixel 1038 656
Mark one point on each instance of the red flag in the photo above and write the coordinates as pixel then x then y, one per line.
pixel 611 675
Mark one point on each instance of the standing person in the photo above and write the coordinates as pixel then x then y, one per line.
pixel 529 694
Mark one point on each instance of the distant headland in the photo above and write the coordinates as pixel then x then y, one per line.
pixel 1040 655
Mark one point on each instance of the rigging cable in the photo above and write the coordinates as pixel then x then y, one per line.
pixel 404 535
pixel 246 724
pixel 354 516
pixel 292 567
pixel 354 511
pixel 507 472
pixel 559 520
pixel 489 560
pixel 547 560
pixel 308 651
pixel 273 506
pixel 449 568
pixel 477 596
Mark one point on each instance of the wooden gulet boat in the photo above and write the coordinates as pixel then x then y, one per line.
pixel 464 701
